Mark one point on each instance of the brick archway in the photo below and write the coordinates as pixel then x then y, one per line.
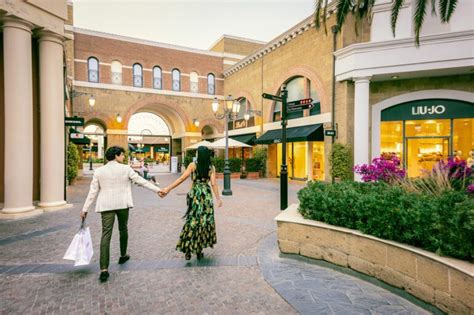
pixel 316 81
pixel 172 113
pixel 212 123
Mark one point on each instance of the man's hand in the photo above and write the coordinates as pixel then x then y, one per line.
pixel 162 193
pixel 83 215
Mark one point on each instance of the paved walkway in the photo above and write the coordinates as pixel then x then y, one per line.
pixel 243 274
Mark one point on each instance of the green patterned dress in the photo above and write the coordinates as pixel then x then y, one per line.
pixel 199 230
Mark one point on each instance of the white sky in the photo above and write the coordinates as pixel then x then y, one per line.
pixel 191 23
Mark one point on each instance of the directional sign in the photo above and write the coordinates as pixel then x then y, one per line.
pixel 330 133
pixel 298 108
pixel 76 136
pixel 304 101
pixel 74 121
pixel 271 97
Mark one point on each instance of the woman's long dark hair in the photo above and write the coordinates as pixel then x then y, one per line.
pixel 203 162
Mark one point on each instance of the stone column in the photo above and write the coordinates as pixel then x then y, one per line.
pixel 361 122
pixel 18 117
pixel 52 120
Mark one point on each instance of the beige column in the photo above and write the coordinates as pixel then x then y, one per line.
pixel 52 120
pixel 18 117
pixel 309 160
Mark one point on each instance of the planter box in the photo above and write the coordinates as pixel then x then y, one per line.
pixel 445 282
pixel 253 175
pixel 232 175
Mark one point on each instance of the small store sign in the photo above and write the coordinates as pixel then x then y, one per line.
pixel 429 109
pixel 76 136
pixel 74 121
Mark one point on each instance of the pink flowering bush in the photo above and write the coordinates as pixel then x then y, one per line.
pixel 386 168
pixel 470 189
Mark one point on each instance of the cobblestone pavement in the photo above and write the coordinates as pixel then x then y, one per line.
pixel 242 274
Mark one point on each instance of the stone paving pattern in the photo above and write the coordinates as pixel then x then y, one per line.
pixel 242 274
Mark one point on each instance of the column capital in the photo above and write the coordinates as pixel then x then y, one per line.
pixel 47 35
pixel 365 79
pixel 14 22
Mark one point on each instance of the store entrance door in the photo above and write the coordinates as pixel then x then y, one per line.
pixel 423 153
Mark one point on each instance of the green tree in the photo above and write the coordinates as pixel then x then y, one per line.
pixel 362 9
pixel 341 162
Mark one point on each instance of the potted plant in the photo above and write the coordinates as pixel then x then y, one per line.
pixel 252 167
pixel 72 163
pixel 260 154
pixel 341 162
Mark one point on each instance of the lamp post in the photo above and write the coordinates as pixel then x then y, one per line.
pixel 231 109
pixel 90 156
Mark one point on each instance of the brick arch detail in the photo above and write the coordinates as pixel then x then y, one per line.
pixel 310 73
pixel 171 107
pixel 247 95
pixel 213 124
pixel 96 121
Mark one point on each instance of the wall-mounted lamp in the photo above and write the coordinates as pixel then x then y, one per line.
pixel 196 122
pixel 119 118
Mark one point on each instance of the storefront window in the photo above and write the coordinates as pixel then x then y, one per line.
pixel 391 140
pixel 297 161
pixel 318 160
pixel 463 139
pixel 428 128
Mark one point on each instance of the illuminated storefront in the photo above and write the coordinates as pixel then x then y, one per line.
pixel 424 132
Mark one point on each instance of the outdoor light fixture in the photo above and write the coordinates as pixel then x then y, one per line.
pixel 231 109
pixel 91 101
pixel 247 116
pixel 119 118
pixel 395 76
pixel 196 122
pixel 251 111
pixel 215 105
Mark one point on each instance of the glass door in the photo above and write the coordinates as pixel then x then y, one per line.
pixel 423 153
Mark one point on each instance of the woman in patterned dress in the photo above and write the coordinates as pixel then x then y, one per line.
pixel 199 230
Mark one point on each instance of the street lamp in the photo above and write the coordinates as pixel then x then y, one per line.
pixel 90 156
pixel 91 97
pixel 231 109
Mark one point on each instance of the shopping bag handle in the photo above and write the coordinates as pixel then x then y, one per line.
pixel 83 222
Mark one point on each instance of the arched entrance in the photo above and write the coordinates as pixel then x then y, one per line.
pixel 149 141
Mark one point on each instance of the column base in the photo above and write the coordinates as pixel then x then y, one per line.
pixel 54 206
pixel 19 213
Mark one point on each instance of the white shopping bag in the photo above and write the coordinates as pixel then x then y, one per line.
pixel 80 250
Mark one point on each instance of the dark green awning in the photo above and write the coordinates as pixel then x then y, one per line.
pixel 247 138
pixel 295 134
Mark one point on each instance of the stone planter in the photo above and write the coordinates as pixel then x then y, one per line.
pixel 253 175
pixel 444 282
pixel 232 175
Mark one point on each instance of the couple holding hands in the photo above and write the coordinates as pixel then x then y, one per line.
pixel 111 185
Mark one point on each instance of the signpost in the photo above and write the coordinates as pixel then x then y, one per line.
pixel 284 168
pixel 330 133
pixel 74 121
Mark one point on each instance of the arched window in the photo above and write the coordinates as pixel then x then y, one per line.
pixel 137 75
pixel 93 69
pixel 176 80
pixel 193 78
pixel 116 72
pixel 211 84
pixel 244 105
pixel 296 90
pixel 157 78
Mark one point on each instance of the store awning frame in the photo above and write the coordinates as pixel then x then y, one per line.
pixel 294 134
pixel 248 138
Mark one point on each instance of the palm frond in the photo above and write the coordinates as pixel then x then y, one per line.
pixel 343 7
pixel 396 7
pixel 317 12
pixel 418 18
pixel 433 7
pixel 446 9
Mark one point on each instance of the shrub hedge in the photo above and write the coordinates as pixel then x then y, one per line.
pixel 252 165
pixel 442 224
pixel 234 164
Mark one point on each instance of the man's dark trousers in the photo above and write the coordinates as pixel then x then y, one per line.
pixel 108 219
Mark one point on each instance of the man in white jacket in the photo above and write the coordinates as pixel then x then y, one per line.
pixel 111 185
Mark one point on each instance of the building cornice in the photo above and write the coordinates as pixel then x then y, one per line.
pixel 279 41
pixel 147 42
pixel 115 87
pixel 237 38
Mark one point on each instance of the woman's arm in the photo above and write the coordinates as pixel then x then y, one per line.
pixel 182 178
pixel 215 188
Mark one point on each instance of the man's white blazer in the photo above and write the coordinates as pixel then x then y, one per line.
pixel 111 185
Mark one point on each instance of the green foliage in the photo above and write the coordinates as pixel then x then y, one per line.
pixel 218 163
pixel 252 165
pixel 149 160
pixel 72 162
pixel 260 153
pixel 98 160
pixel 127 157
pixel 235 164
pixel 443 224
pixel 187 160
pixel 362 9
pixel 341 162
